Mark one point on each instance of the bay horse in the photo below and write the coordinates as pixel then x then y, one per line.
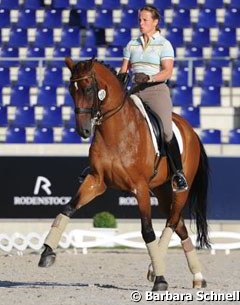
pixel 122 156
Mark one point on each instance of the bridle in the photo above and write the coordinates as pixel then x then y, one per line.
pixel 97 116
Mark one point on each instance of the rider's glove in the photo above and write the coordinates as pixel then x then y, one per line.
pixel 140 78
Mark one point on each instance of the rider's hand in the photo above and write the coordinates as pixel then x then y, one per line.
pixel 140 78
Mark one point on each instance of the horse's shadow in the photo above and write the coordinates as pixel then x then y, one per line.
pixel 12 284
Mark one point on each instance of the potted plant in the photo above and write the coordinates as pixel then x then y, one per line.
pixel 105 223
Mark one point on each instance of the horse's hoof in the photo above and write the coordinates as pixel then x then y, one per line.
pixel 150 274
pixel 199 284
pixel 47 258
pixel 160 284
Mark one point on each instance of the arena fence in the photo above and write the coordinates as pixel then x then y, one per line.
pixel 85 239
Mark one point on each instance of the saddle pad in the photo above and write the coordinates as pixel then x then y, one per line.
pixel 137 101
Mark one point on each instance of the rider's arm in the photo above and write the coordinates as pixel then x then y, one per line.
pixel 166 71
pixel 125 66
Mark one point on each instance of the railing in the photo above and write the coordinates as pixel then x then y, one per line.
pixel 84 239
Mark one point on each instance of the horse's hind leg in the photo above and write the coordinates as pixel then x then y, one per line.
pixel 191 255
pixel 91 187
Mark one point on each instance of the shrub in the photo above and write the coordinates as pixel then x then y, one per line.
pixel 104 220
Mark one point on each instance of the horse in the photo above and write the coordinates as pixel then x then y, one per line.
pixel 122 156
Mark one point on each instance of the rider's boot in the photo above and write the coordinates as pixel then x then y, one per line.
pixel 179 182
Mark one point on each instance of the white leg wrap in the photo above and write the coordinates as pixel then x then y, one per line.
pixel 192 259
pixel 56 231
pixel 153 251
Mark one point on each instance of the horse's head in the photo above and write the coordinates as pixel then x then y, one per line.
pixel 96 93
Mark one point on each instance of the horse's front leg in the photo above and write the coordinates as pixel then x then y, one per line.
pixel 143 197
pixel 91 187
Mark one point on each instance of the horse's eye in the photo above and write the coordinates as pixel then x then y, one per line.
pixel 88 90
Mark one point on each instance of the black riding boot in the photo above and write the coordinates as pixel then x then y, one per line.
pixel 179 182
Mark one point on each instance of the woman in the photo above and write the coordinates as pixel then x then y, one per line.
pixel 151 59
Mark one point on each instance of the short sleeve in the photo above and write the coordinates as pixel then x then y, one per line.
pixel 126 52
pixel 167 51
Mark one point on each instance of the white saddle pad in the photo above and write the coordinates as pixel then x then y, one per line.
pixel 137 101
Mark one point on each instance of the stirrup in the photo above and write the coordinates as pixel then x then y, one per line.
pixel 179 188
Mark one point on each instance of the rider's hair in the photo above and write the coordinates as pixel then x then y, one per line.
pixel 154 12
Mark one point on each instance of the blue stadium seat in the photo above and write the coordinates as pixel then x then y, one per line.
pixel 182 76
pixel 24 117
pixel 219 52
pixel 129 18
pixel 60 4
pixel 44 38
pixel 70 37
pixel 69 135
pixel 114 52
pixel 236 76
pixel 85 4
pixel 33 51
pixel 194 51
pixel 181 18
pixel 27 76
pixel 15 135
pixel 20 96
pixel 88 52
pixel 207 18
pixel 78 18
pixel 43 135
pixel 67 99
pixel 234 136
pixel 201 37
pixel 210 96
pixel 4 18
pixel 52 117
pixel 175 35
pixel 3 116
pixel 26 18
pixel 210 136
pixel 187 4
pixel 1 98
pixel 111 4
pixel 71 121
pixel 52 18
pixel 213 4
pixel 18 37
pixel 182 96
pixel 163 4
pixel 234 3
pixel 59 52
pixel 12 4
pixel 4 76
pixel 9 52
pixel 121 36
pixel 103 18
pixel 33 4
pixel 232 18
pixel 136 4
pixel 227 37
pixel 94 37
pixel 192 115
pixel 47 96
pixel 212 76
pixel 53 76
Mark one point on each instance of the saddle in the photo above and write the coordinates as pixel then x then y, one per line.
pixel 157 126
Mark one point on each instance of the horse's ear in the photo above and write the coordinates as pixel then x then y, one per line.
pixel 69 63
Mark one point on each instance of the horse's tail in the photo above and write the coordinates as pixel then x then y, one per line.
pixel 198 199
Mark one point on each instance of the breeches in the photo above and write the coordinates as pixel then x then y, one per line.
pixel 158 99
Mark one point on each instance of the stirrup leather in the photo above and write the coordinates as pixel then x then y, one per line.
pixel 183 183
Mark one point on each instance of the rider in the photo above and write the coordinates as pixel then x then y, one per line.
pixel 151 58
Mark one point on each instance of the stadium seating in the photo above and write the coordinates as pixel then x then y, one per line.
pixel 70 123
pixel 43 135
pixel 44 37
pixel 135 4
pixel 24 117
pixel 103 18
pixel 232 18
pixel 69 135
pixel 1 99
pixel 213 4
pixel 53 76
pixel 187 4
pixel 212 76
pixel 182 96
pixel 26 19
pixel 59 52
pixel 3 116
pixel 207 18
pixel 182 78
pixel 4 76
pixel 121 36
pixel 234 136
pixel 181 18
pixel 33 4
pixel 9 52
pixel 94 37
pixel 70 37
pixel 78 18
pixel 18 37
pixel 114 52
pixel 85 4
pixel 60 4
pixel 129 18
pixel 194 51
pixel 52 117
pixel 175 35
pixel 210 136
pixel 13 4
pixel 47 96
pixel 234 3
pixel 20 96
pixel 67 99
pixel 192 115
pixel 88 52
pixel 219 52
pixel 33 51
pixel 236 76
pixel 52 18
pixel 227 37
pixel 163 4
pixel 15 135
pixel 211 96
pixel 27 76
pixel 4 17
pixel 200 37
pixel 111 4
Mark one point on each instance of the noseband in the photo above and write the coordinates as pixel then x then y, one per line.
pixel 96 113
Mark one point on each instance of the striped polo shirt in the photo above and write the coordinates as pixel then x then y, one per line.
pixel 148 59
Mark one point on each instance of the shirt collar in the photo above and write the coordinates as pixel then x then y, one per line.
pixel 153 37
